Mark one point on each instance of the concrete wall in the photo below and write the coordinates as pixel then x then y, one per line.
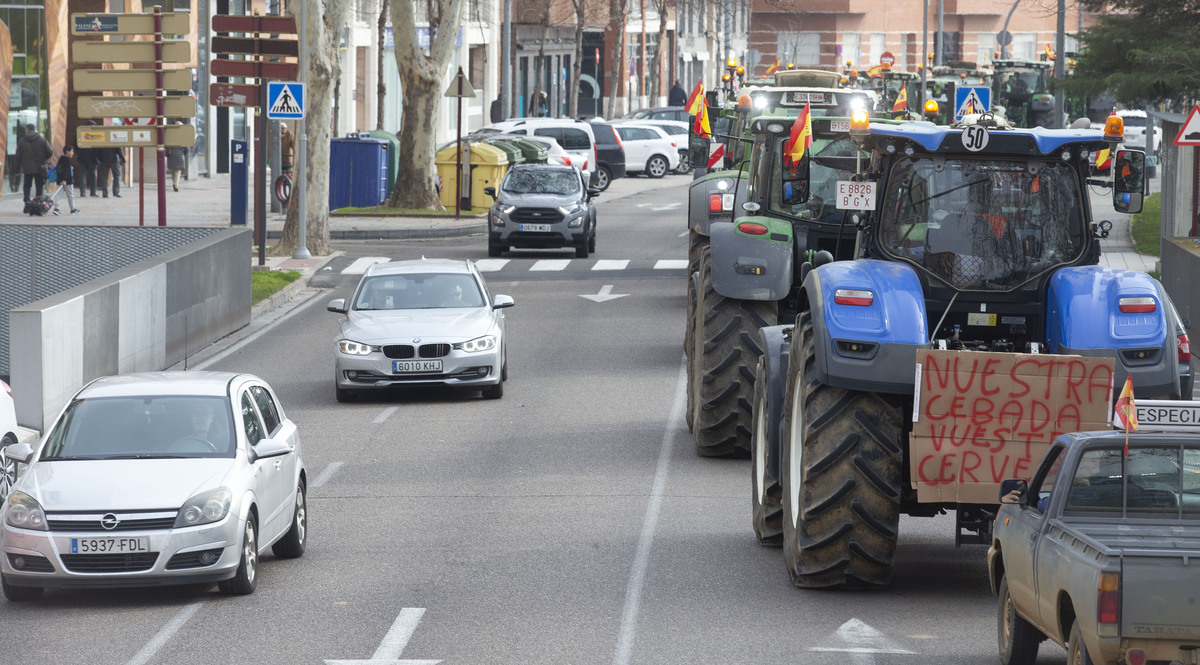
pixel 142 317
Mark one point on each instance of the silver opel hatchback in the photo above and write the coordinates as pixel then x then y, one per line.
pixel 155 479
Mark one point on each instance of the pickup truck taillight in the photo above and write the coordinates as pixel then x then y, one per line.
pixel 1108 602
pixel 1135 657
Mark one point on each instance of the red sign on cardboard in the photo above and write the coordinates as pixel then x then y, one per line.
pixel 979 418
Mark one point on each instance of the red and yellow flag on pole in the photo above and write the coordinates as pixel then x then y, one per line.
pixel 695 101
pixel 901 101
pixel 1127 410
pixel 700 126
pixel 800 137
pixel 773 68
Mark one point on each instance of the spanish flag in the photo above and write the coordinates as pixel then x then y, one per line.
pixel 773 68
pixel 695 101
pixel 701 127
pixel 801 136
pixel 901 101
pixel 1126 410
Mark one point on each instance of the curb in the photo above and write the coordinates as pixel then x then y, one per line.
pixel 396 234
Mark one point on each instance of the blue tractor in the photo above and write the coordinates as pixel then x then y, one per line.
pixel 951 221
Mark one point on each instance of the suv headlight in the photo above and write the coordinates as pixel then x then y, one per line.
pixel 24 512
pixel 352 348
pixel 507 210
pixel 205 508
pixel 570 209
pixel 485 343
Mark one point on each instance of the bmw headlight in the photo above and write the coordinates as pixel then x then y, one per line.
pixel 205 508
pixel 485 343
pixel 24 512
pixel 352 348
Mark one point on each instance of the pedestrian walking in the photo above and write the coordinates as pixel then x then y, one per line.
pixel 109 163
pixel 64 175
pixel 176 162
pixel 33 156
pixel 287 147
pixel 678 96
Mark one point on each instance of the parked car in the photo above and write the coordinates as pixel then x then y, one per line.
pixel 660 113
pixel 542 206
pixel 1135 130
pixel 648 149
pixel 678 131
pixel 8 436
pixel 422 322
pixel 610 155
pixel 575 136
pixel 156 478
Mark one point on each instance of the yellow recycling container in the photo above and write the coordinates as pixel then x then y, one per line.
pixel 483 165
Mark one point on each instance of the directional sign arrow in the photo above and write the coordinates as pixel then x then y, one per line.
pixel 605 294
pixel 862 642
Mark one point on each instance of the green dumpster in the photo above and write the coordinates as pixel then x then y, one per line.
pixel 535 152
pixel 511 150
pixel 393 154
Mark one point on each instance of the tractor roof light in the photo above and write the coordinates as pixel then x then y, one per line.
pixel 860 123
pixel 931 107
pixel 731 63
pixel 1114 129
pixel 741 70
pixel 791 65
pixel 745 103
pixel 726 77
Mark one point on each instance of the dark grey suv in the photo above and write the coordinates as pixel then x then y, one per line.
pixel 542 205
pixel 610 155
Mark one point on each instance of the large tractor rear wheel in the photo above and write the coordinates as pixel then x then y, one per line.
pixel 696 246
pixel 724 357
pixel 840 476
pixel 767 510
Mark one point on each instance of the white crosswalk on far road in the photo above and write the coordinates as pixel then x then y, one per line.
pixel 360 265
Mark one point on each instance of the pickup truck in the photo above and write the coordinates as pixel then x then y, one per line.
pixel 1101 554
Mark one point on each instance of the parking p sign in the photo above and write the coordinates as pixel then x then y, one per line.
pixel 853 195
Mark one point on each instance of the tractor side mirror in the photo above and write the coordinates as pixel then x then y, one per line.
pixel 698 147
pixel 795 180
pixel 1129 182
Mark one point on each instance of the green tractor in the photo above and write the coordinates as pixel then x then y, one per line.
pixel 1021 89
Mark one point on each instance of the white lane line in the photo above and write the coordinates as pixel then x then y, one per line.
pixel 181 617
pixel 490 265
pixel 398 635
pixel 327 474
pixel 611 264
pixel 670 264
pixel 684 234
pixel 641 560
pixel 385 414
pixel 360 265
pixel 549 265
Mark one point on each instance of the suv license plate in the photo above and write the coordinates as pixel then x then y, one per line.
pixel 115 545
pixel 416 366
pixel 536 227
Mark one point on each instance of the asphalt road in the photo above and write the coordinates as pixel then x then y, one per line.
pixel 569 522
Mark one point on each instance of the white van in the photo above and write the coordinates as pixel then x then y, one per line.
pixel 575 136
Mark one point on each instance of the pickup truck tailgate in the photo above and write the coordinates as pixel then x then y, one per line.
pixel 1156 601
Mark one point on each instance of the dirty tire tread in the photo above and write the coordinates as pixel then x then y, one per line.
pixel 847 512
pixel 767 513
pixel 1016 638
pixel 697 244
pixel 724 357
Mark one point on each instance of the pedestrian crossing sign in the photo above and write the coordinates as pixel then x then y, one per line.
pixel 971 99
pixel 285 100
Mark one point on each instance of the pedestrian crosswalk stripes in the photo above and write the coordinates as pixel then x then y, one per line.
pixel 359 265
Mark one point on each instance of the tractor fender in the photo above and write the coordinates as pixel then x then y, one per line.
pixel 1084 317
pixel 753 264
pixel 874 347
pixel 776 342
pixel 700 216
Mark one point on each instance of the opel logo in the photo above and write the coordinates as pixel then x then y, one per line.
pixel 109 522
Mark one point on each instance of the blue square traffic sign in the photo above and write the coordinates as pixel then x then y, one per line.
pixel 971 99
pixel 285 100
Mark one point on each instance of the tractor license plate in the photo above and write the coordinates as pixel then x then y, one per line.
pixel 839 125
pixel 416 366
pixel 853 195
pixel 545 228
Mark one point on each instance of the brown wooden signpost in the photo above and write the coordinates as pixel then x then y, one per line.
pixel 266 37
pixel 156 82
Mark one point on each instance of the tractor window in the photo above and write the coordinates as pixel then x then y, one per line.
pixel 982 224
pixel 829 160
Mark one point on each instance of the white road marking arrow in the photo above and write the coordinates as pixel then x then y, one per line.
pixel 605 294
pixel 669 206
pixel 393 643
pixel 862 642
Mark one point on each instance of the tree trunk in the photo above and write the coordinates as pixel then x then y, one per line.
pixel 325 23
pixel 656 68
pixel 535 100
pixel 576 62
pixel 617 15
pixel 380 88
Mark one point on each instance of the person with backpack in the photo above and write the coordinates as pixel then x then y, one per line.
pixel 64 175
pixel 33 153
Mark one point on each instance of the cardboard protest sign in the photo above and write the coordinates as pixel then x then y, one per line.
pixel 979 417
